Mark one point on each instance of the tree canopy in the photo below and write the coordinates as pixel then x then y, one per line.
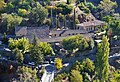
pixel 75 42
pixel 107 7
pixel 58 63
pixel 38 14
pixel 21 44
pixel 75 76
pixel 9 21
pixel 102 65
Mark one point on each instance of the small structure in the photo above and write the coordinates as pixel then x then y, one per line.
pixel 90 25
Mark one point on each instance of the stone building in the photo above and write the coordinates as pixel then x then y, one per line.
pixel 90 26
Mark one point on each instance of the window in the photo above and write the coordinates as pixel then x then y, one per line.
pixel 54 35
pixel 59 34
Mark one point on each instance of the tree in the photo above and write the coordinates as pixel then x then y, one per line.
pixel 88 65
pixel 36 54
pixel 38 14
pixel 61 17
pixel 58 63
pixel 26 74
pixel 58 23
pixel 60 77
pixel 47 2
pixel 102 65
pixel 75 76
pixel 46 48
pixel 21 44
pixel 4 39
pixel 47 22
pixel 9 21
pixel 22 12
pixel 115 25
pixel 69 1
pixel 19 56
pixel 2 5
pixel 107 7
pixel 90 42
pixel 66 9
pixel 75 42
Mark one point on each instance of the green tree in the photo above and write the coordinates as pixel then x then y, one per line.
pixel 69 1
pixel 21 44
pixel 58 23
pixel 38 14
pixel 46 48
pixel 9 21
pixel 90 42
pixel 75 76
pixel 26 74
pixel 47 22
pixel 36 54
pixel 115 25
pixel 22 12
pixel 2 5
pixel 60 77
pixel 64 8
pixel 61 17
pixel 58 63
pixel 88 65
pixel 107 7
pixel 47 2
pixel 102 65
pixel 18 55
pixel 117 75
pixel 75 42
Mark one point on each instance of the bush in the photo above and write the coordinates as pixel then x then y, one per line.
pixel 75 76
pixel 22 12
pixel 60 77
pixel 66 9
pixel 58 63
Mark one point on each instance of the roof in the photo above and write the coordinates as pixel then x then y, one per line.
pixel 42 33
pixel 91 23
pixel 20 31
pixel 67 32
pixel 59 39
pixel 77 11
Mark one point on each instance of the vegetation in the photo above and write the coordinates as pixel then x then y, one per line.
pixel 19 56
pixel 37 49
pixel 107 7
pixel 27 74
pixel 76 42
pixel 65 9
pixel 61 77
pixel 9 21
pixel 21 44
pixel 75 76
pixel 58 63
pixel 38 14
pixel 102 65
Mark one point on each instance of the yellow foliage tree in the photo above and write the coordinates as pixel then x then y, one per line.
pixel 58 63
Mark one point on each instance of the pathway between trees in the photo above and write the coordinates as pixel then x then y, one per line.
pixel 48 75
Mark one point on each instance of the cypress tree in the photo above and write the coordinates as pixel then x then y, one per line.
pixel 102 65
